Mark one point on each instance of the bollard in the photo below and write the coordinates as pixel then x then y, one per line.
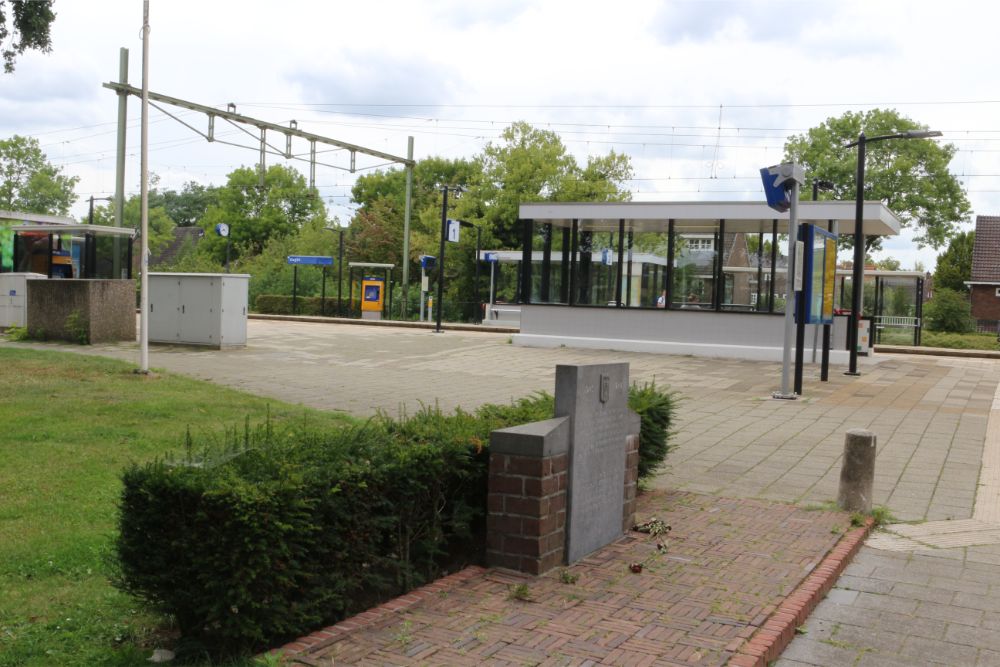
pixel 857 476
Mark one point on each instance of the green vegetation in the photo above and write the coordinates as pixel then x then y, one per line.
pixel 954 265
pixel 70 424
pixel 910 177
pixel 954 341
pixel 948 311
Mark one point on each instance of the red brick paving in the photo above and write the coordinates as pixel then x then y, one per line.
pixel 722 590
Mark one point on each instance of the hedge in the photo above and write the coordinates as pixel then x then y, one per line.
pixel 269 535
pixel 279 304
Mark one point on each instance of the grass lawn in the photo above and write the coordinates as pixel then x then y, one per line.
pixel 69 424
pixel 955 341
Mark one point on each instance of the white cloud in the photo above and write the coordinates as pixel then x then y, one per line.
pixel 700 93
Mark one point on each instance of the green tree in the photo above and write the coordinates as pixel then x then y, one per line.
pixel 948 311
pixel 25 25
pixel 910 176
pixel 529 164
pixel 29 182
pixel 954 265
pixel 257 214
pixel 888 264
pixel 188 206
pixel 161 226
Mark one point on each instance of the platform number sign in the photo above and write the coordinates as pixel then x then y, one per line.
pixel 453 230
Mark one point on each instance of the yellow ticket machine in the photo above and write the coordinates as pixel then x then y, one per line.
pixel 372 298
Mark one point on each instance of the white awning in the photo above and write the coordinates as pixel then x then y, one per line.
pixel 73 228
pixel 688 217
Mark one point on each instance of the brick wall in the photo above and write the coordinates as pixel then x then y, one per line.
pixel 526 523
pixel 103 310
pixel 985 302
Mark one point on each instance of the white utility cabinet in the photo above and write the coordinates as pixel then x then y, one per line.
pixel 14 298
pixel 198 308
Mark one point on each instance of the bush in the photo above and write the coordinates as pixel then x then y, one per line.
pixel 949 311
pixel 276 304
pixel 267 535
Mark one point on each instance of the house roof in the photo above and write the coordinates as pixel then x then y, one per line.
pixel 986 249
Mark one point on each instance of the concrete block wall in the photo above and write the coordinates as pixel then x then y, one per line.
pixel 631 497
pixel 102 309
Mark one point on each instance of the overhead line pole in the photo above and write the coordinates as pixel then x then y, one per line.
pixel 144 199
pixel 120 161
pixel 406 227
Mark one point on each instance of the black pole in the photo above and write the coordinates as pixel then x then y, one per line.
pixel 800 324
pixel 858 270
pixel 479 295
pixel 444 233
pixel 387 302
pixel 90 216
pixel 50 257
pixel 340 276
pixel 131 243
pixel 918 330
pixel 824 372
pixel 295 290
pixel 774 265
pixel 322 298
pixel 564 267
pixel 543 288
pixel 720 269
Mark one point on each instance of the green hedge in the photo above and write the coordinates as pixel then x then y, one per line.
pixel 269 535
pixel 278 304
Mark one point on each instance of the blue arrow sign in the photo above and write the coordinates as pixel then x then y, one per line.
pixel 310 260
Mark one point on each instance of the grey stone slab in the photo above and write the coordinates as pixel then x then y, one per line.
pixel 821 652
pixel 537 439
pixel 594 399
pixel 938 652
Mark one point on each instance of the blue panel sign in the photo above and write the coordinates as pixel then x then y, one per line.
pixel 777 195
pixel 427 261
pixel 312 260
pixel 492 257
pixel 372 292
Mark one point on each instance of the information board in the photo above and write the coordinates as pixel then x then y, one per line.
pixel 819 273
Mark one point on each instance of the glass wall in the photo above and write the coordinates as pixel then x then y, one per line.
pixel 695 268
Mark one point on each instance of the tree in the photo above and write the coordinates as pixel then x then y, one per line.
pixel 24 26
pixel 888 264
pixel 948 311
pixel 910 176
pixel 954 265
pixel 161 227
pixel 532 165
pixel 188 206
pixel 29 183
pixel 257 214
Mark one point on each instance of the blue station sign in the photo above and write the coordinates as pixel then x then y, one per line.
pixel 310 260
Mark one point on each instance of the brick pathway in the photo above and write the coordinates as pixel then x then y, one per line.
pixel 727 566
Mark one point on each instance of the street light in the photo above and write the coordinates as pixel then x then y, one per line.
pixel 858 271
pixel 444 233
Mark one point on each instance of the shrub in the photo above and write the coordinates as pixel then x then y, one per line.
pixel 277 304
pixel 266 535
pixel 948 311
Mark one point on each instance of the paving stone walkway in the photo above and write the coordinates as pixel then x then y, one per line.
pixel 725 567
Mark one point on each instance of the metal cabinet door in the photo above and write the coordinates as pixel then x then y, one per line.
pixel 199 317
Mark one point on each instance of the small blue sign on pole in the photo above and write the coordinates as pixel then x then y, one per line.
pixel 492 257
pixel 310 260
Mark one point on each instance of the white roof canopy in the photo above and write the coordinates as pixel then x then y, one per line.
pixel 74 228
pixel 749 217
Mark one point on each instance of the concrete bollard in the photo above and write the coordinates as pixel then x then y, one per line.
pixel 857 476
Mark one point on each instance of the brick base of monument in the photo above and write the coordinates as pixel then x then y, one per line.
pixel 526 523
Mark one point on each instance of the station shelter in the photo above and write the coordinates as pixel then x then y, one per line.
pixel 700 278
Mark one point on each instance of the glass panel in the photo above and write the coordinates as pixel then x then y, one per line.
pixel 649 271
pixel 546 265
pixel 739 272
pixel 694 271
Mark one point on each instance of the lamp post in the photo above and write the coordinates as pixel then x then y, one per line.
pixel 858 270
pixel 444 233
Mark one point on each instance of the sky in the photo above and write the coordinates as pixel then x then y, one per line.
pixel 699 93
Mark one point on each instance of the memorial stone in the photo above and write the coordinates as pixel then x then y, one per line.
pixel 594 398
